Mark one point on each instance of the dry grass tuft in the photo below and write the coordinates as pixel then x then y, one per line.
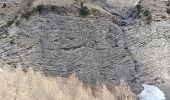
pixel 53 2
pixel 18 85
pixel 97 7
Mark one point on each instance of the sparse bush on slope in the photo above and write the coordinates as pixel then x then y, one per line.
pixel 4 5
pixel 148 16
pixel 18 85
pixel 12 21
pixel 84 11
pixel 39 8
pixel 27 14
pixel 168 10
pixel 168 3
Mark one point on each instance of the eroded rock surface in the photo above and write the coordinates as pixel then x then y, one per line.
pixel 115 45
pixel 149 43
pixel 91 47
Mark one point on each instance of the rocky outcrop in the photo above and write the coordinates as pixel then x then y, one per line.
pixel 108 47
pixel 149 43
pixel 62 43
pixel 91 47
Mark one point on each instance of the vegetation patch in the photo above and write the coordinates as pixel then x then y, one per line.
pixel 17 84
pixel 148 16
pixel 13 21
pixel 4 5
pixel 168 3
pixel 17 23
pixel 39 8
pixel 139 7
pixel 168 10
pixel 10 22
pixel 146 13
pixel 84 11
pixel 2 14
pixel 29 3
pixel 53 7
pixel 12 42
pixel 27 14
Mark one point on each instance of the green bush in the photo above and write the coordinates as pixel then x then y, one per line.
pixel 9 23
pixel 148 16
pixel 168 10
pixel 4 5
pixel 12 41
pixel 168 3
pixel 139 7
pixel 53 7
pixel 27 14
pixel 2 14
pixel 39 8
pixel 17 22
pixel 149 19
pixel 147 13
pixel 84 10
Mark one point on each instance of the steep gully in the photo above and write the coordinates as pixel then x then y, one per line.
pixel 129 18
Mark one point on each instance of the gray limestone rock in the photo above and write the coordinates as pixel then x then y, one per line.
pixel 97 47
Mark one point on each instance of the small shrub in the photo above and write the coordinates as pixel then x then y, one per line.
pixel 12 41
pixel 147 13
pixel 2 14
pixel 168 10
pixel 27 14
pixel 4 5
pixel 39 8
pixel 53 7
pixel 29 3
pixel 9 23
pixel 168 3
pixel 17 22
pixel 149 19
pixel 148 16
pixel 163 17
pixel 16 16
pixel 139 7
pixel 84 10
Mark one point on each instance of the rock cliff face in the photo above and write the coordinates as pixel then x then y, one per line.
pixel 150 43
pixel 108 47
